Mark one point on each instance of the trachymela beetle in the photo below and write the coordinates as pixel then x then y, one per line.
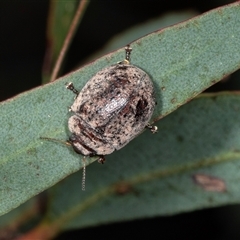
pixel 113 107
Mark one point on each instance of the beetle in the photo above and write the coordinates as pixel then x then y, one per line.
pixel 113 108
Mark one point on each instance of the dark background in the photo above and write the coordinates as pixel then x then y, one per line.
pixel 22 48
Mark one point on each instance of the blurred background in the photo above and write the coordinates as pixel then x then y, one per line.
pixel 23 44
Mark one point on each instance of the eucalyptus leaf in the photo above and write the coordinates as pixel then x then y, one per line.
pixel 154 174
pixel 142 29
pixel 183 60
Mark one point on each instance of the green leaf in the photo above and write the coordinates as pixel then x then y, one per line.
pixel 19 216
pixel 141 30
pixel 153 175
pixel 182 60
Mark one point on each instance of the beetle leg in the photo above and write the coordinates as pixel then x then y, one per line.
pixel 72 88
pixel 153 129
pixel 101 159
pixel 127 55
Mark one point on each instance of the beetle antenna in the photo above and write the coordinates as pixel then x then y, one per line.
pixel 84 175
pixel 57 140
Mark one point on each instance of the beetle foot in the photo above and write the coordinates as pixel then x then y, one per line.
pixel 72 88
pixel 101 159
pixel 153 129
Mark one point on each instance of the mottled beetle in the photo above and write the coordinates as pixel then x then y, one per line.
pixel 113 107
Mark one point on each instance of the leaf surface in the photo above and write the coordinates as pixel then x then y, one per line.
pixel 183 60
pixel 155 174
